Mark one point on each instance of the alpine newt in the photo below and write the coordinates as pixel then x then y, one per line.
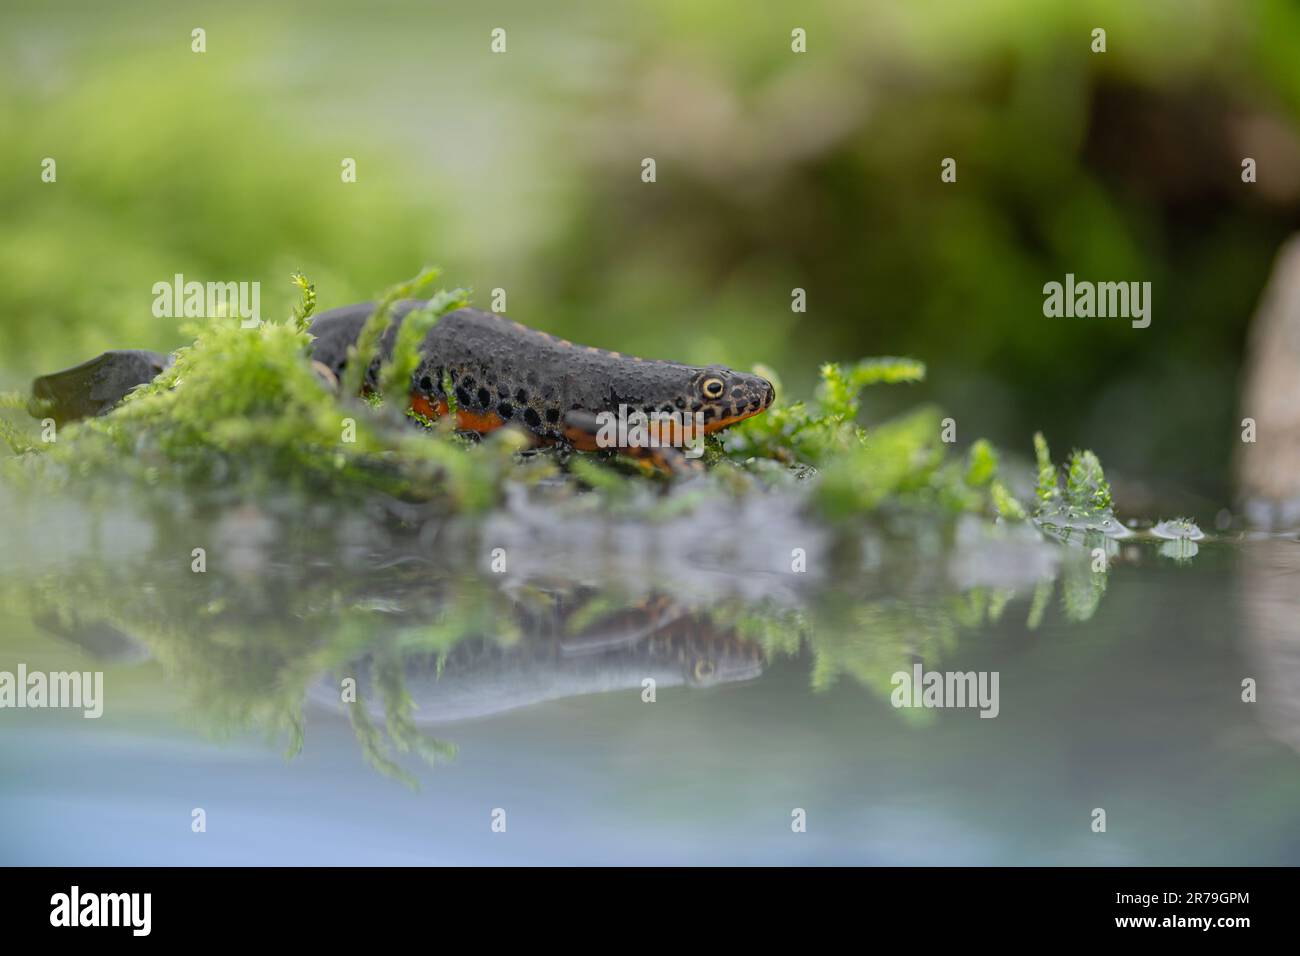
pixel 499 373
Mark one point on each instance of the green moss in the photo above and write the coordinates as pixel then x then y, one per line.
pixel 395 377
pixel 1049 491
pixel 899 459
pixel 903 462
pixel 366 348
pixel 1005 503
pixel 1083 505
pixel 812 432
pixel 1086 487
pixel 244 410
pixel 19 443
pixel 981 464
pixel 302 312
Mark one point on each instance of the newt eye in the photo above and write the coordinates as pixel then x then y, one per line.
pixel 703 670
pixel 713 388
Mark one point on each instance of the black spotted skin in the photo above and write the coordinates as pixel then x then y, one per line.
pixel 533 379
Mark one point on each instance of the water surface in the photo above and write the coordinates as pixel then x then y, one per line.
pixel 519 688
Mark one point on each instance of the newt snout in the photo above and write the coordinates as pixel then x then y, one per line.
pixel 727 396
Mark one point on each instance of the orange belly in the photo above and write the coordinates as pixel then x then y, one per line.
pixel 466 421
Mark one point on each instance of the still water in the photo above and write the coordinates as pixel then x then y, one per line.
pixel 503 670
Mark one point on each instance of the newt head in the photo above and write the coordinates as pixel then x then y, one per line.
pixel 721 659
pixel 725 396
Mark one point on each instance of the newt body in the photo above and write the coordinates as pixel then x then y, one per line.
pixel 498 372
pixel 481 678
pixel 96 386
pixel 501 372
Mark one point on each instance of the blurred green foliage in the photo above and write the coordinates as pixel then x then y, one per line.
pixel 159 176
